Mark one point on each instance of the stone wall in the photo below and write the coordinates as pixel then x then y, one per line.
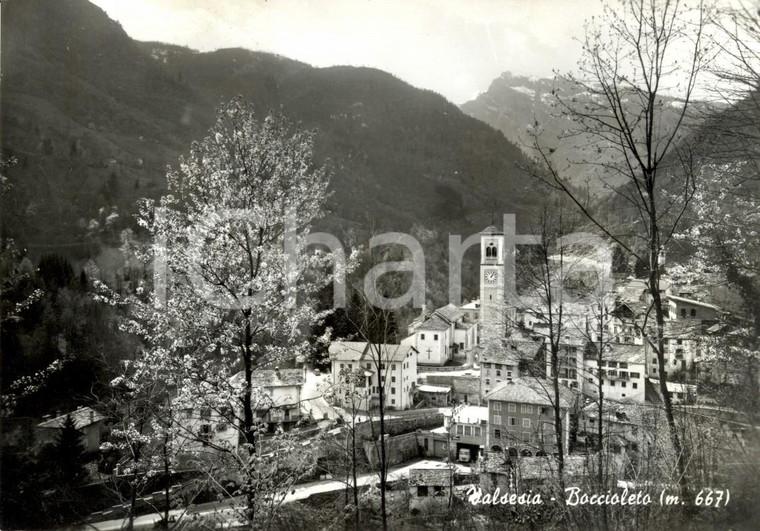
pixel 400 425
pixel 398 449
pixel 435 368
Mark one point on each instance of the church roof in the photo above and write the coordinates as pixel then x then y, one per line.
pixel 491 230
pixel 435 323
pixel 449 312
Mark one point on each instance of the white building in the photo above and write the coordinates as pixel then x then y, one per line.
pixel 444 334
pixel 622 374
pixel 392 366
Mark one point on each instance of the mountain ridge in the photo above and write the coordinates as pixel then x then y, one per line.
pixel 94 118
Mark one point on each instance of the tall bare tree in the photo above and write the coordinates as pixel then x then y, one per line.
pixel 641 56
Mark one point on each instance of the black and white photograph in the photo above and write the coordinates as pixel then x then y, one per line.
pixel 380 264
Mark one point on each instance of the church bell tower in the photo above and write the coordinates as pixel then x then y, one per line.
pixel 491 283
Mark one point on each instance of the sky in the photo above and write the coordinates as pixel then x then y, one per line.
pixel 453 47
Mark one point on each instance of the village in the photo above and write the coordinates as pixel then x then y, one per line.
pixel 468 396
pixel 249 279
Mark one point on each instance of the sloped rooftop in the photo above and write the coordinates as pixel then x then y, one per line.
pixel 435 323
pixel 449 312
pixel 359 350
pixel 430 477
pixel 531 391
pixel 82 417
pixel 424 388
pixel 347 350
pixel 272 378
pixel 509 351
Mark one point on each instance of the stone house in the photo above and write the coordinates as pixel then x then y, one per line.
pixel 430 487
pixel 276 400
pixel 505 359
pixel 521 417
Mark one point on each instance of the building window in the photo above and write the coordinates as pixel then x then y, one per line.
pixel 393 367
pixel 635 385
pixel 622 384
pixel 693 312
pixel 341 366
pixel 369 366
pixel 497 433
pixel 497 406
pixel 635 375
pixel 468 431
pixel 512 408
pixel 654 360
pixel 683 312
pixel 435 337
pixel 205 433
pixel 393 402
pixel 476 430
pixel 488 381
pixel 422 336
pixel 524 408
pixel 460 429
pixel 512 421
pixel 393 390
pixel 422 491
pixel 497 419
pixel 393 379
pixel 526 437
pixel 526 423
pixel 612 383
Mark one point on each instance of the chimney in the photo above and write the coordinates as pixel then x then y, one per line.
pixel 422 312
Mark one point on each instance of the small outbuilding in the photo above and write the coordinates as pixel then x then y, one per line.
pixel 434 395
pixel 429 486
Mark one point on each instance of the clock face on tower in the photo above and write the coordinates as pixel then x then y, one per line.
pixel 491 276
